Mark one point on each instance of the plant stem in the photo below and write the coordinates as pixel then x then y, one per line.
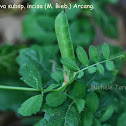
pixel 64 10
pixel 120 56
pixel 63 85
pixel 75 73
pixel 17 88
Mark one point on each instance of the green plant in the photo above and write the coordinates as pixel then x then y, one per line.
pixel 80 20
pixel 69 102
pixel 8 54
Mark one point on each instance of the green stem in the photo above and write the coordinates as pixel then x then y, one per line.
pixel 120 56
pixel 17 88
pixel 65 85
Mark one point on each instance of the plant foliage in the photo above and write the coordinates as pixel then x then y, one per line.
pixel 66 100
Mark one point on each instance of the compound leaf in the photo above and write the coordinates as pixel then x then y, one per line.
pixel 64 115
pixel 40 57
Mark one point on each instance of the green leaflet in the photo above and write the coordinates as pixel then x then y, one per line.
pixel 82 55
pixel 8 53
pixel 42 122
pixel 57 76
pixel 80 104
pixel 96 122
pixel 93 53
pixel 80 75
pixel 92 102
pixel 52 86
pixel 31 76
pixel 65 115
pixel 39 28
pixel 36 55
pixel 54 99
pixel 69 63
pixel 109 65
pixel 78 34
pixel 100 68
pixel 78 90
pixel 31 106
pixel 105 51
pixel 122 120
pixel 87 118
pixel 12 99
pixel 92 70
pixel 107 113
pixel 108 125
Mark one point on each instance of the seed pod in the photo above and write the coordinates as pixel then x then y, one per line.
pixel 64 38
pixel 92 102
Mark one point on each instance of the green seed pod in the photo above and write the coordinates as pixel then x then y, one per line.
pixel 64 38
pixel 107 113
pixel 92 102
pixel 87 118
